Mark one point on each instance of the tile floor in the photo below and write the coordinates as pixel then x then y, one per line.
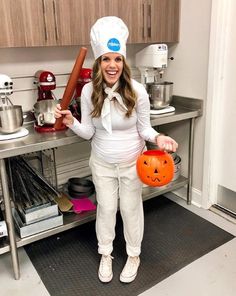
pixel 211 275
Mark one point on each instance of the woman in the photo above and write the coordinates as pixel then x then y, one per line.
pixel 116 116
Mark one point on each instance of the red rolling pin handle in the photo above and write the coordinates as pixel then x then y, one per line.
pixel 71 85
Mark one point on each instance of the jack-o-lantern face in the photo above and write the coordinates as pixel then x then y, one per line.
pixel 155 168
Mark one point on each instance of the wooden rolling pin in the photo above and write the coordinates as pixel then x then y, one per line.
pixel 71 85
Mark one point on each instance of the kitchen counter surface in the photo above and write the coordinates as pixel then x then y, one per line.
pixel 185 108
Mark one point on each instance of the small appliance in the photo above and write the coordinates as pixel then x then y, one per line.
pixel 85 76
pixel 11 116
pixel 46 101
pixel 152 61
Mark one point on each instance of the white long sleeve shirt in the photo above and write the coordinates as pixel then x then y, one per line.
pixel 128 136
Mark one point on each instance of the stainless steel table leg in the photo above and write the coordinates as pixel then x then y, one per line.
pixel 190 161
pixel 55 167
pixel 9 220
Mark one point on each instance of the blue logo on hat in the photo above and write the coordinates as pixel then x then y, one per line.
pixel 113 44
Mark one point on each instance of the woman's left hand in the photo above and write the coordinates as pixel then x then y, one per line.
pixel 166 143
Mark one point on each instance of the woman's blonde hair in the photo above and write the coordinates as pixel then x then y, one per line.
pixel 125 89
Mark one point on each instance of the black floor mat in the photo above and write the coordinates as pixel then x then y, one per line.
pixel 174 237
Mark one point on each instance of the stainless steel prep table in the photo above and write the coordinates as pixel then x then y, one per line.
pixel 186 109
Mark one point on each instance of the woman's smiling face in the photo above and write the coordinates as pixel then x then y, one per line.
pixel 112 67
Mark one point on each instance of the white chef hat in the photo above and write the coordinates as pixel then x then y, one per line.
pixel 109 34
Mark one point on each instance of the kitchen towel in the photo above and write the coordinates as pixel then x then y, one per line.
pixel 83 205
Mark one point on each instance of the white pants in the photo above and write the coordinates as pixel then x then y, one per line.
pixel 113 182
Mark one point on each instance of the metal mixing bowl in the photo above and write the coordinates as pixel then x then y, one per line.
pixel 160 94
pixel 44 111
pixel 11 119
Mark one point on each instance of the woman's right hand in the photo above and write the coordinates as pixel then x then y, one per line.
pixel 68 118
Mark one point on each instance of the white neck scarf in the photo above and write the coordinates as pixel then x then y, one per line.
pixel 106 108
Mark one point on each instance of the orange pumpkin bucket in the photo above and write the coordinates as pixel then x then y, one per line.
pixel 155 168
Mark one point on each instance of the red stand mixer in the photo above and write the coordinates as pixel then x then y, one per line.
pixel 46 102
pixel 85 76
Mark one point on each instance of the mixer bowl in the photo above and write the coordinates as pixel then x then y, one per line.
pixel 44 111
pixel 160 94
pixel 11 118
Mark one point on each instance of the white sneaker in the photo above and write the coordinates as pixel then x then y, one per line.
pixel 105 273
pixel 130 269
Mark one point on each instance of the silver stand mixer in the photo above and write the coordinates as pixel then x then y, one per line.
pixel 152 61
pixel 11 116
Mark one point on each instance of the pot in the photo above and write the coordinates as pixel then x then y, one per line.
pixel 44 111
pixel 11 118
pixel 80 184
pixel 80 187
pixel 160 94
pixel 177 161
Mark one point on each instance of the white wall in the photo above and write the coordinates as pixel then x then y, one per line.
pixel 22 63
pixel 220 162
pixel 188 71
pixel 227 120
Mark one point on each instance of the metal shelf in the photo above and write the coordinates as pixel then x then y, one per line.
pixel 71 220
pixel 150 192
pixel 4 247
